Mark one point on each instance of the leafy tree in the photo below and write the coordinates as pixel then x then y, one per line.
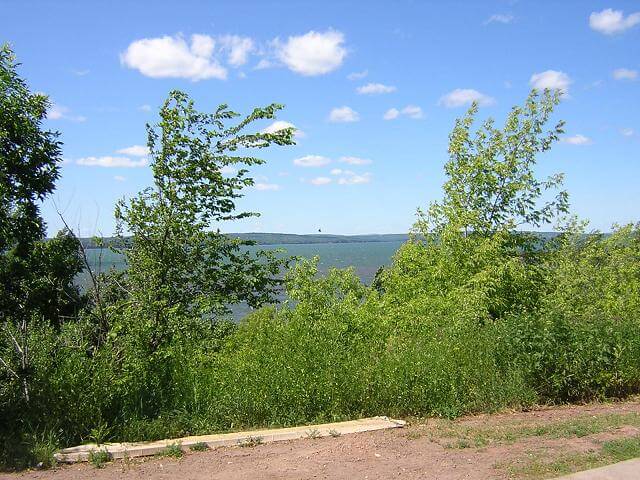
pixel 472 258
pixel 491 183
pixel 178 266
pixel 36 276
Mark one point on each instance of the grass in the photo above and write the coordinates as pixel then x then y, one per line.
pixel 610 452
pixel 199 447
pixel 172 450
pixel 456 435
pixel 251 441
pixel 313 433
pixel 98 458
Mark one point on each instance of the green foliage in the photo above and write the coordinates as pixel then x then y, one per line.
pixel 173 450
pixel 251 441
pixel 98 458
pixel 178 266
pixel 199 447
pixel 491 183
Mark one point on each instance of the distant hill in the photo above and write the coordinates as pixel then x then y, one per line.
pixel 288 238
pixel 285 238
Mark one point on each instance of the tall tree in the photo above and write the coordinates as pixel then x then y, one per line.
pixel 491 182
pixel 36 276
pixel 178 264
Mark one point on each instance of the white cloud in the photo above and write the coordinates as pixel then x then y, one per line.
pixel 358 75
pixel 60 112
pixel 577 140
pixel 465 96
pixel 627 132
pixel 391 114
pixel 355 160
pixel 314 53
pixel 351 178
pixel 610 21
pixel 81 73
pixel 112 162
pixel 173 57
pixel 551 79
pixel 281 125
pixel 145 108
pixel 375 89
pixel 264 64
pixel 336 171
pixel 228 170
pixel 237 48
pixel 312 161
pixel 343 114
pixel 266 186
pixel 134 151
pixel 499 18
pixel 625 74
pixel 120 178
pixel 321 181
pixel 412 111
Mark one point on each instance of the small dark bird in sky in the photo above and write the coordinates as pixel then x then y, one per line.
pixel 319 230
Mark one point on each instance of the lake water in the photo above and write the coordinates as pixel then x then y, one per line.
pixel 364 257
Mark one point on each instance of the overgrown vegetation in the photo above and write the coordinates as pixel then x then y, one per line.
pixel 471 316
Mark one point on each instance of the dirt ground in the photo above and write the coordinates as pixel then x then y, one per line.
pixel 541 443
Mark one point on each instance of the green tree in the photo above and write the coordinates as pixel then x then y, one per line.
pixel 178 265
pixel 36 276
pixel 491 183
pixel 468 260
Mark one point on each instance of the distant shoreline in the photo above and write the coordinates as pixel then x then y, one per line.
pixel 302 239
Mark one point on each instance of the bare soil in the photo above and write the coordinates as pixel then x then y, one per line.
pixel 424 449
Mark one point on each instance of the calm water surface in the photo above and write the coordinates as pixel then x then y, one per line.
pixel 364 257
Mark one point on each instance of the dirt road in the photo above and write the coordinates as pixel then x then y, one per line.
pixel 542 443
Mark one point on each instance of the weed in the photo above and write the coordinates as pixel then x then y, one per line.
pixel 42 449
pixel 251 441
pixel 313 433
pixel 98 458
pixel 172 450
pixel 199 447
pixel 334 433
pixel 100 433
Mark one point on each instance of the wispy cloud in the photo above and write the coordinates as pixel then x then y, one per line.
pixel 343 115
pixel 355 160
pixel 112 162
pixel 625 74
pixel 312 161
pixel 357 75
pixel 577 139
pixel 465 96
pixel 60 112
pixel 503 18
pixel 375 89
pixel 266 186
pixel 134 151
pixel 321 181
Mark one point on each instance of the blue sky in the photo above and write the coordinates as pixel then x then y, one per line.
pixel 373 87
